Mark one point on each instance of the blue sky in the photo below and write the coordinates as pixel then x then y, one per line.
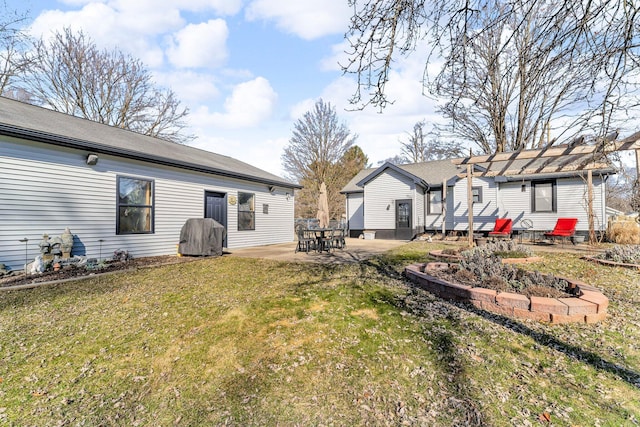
pixel 246 69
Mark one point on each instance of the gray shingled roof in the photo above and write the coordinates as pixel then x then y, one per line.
pixel 434 172
pixel 27 121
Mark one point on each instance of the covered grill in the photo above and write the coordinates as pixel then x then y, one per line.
pixel 201 237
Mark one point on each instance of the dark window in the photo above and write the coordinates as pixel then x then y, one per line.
pixel 476 194
pixel 246 211
pixel 543 196
pixel 135 206
pixel 434 206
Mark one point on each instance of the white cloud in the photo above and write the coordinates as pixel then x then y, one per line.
pixel 380 132
pixel 191 88
pixel 301 108
pixel 110 28
pixel 308 19
pixel 220 7
pixel 132 26
pixel 249 104
pixel 338 57
pixel 200 45
pixel 258 150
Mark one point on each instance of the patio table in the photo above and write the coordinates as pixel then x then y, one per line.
pixel 322 241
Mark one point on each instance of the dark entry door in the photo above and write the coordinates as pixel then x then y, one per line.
pixel 215 207
pixel 404 226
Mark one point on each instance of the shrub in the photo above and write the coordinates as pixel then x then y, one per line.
pixel 627 254
pixel 503 249
pixel 493 274
pixel 624 233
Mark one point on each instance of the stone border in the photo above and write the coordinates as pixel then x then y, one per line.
pixel 438 254
pixel 610 263
pixel 526 260
pixel 589 307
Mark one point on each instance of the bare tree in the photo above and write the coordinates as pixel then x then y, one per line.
pixel 395 160
pixel 511 68
pixel 14 56
pixel 318 144
pixel 420 149
pixel 415 149
pixel 73 76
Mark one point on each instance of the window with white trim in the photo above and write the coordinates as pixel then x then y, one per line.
pixel 476 194
pixel 434 206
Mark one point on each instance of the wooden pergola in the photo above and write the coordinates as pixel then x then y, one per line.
pixel 593 157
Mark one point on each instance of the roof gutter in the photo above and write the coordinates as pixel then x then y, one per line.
pixel 78 144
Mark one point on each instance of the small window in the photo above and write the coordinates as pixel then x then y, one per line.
pixel 135 206
pixel 543 196
pixel 435 202
pixel 246 211
pixel 265 209
pixel 476 194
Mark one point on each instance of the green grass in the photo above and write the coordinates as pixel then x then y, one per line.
pixel 255 342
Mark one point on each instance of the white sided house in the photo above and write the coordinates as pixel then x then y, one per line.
pixel 116 189
pixel 402 201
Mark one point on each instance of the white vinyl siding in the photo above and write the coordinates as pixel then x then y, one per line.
pixel 44 189
pixel 571 197
pixel 355 211
pixel 484 213
pixel 380 195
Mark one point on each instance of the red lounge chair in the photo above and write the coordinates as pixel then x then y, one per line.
pixel 565 227
pixel 502 228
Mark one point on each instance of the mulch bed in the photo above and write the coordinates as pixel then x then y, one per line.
pixel 462 277
pixel 72 272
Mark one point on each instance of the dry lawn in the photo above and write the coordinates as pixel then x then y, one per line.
pixel 233 341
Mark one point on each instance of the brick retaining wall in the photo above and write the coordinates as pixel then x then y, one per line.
pixel 589 307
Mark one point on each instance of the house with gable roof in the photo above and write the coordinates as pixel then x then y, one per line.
pixel 116 189
pixel 402 201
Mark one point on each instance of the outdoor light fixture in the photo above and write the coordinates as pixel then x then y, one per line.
pixel 288 196
pixel 92 159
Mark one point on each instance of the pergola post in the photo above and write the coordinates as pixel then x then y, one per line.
pixel 590 215
pixel 470 203
pixel 444 208
pixel 638 167
pixel 598 153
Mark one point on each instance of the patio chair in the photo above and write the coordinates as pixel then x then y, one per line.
pixel 325 240
pixel 565 227
pixel 306 240
pixel 339 238
pixel 502 229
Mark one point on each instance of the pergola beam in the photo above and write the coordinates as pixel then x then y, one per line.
pixel 598 150
pixel 540 170
pixel 629 143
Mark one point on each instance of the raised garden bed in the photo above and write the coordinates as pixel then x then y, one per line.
pixel 442 254
pixel 18 280
pixel 588 305
pixel 627 256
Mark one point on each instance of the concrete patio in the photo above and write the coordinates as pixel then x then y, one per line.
pixel 359 249
pixel 355 250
